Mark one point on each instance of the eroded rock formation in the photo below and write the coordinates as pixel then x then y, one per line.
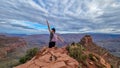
pixel 9 44
pixel 89 44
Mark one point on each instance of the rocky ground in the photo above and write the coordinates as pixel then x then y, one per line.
pixel 51 58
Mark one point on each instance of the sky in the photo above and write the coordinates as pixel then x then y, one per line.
pixel 67 16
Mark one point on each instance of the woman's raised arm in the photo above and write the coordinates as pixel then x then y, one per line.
pixel 48 26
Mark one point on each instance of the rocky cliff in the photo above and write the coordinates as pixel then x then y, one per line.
pixel 51 58
pixel 88 43
pixel 84 54
pixel 9 44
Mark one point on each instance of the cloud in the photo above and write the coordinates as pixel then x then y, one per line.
pixel 68 16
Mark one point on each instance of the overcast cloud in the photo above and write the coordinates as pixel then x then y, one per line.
pixel 67 16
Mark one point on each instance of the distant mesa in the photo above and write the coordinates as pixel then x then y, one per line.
pixel 9 44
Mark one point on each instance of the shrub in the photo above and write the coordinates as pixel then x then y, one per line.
pixel 29 55
pixel 76 52
pixel 111 66
pixel 84 57
pixel 93 58
pixel 80 66
pixel 23 59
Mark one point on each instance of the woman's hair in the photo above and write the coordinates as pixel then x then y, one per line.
pixel 53 29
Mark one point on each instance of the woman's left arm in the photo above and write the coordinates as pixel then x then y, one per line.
pixel 61 39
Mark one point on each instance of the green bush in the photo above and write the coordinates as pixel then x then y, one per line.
pixel 84 57
pixel 29 55
pixel 23 59
pixel 93 58
pixel 76 52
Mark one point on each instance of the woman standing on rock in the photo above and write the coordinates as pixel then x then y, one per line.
pixel 53 36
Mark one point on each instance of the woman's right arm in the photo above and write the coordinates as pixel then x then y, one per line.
pixel 48 26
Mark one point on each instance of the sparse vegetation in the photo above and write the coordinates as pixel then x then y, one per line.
pixel 99 65
pixel 29 55
pixel 80 66
pixel 9 63
pixel 111 66
pixel 75 51
pixel 93 58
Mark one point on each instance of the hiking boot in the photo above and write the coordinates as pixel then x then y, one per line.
pixel 53 58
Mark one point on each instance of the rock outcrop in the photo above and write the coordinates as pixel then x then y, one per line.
pixel 51 58
pixel 86 40
pixel 88 43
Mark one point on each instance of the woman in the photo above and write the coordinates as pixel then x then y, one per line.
pixel 53 36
